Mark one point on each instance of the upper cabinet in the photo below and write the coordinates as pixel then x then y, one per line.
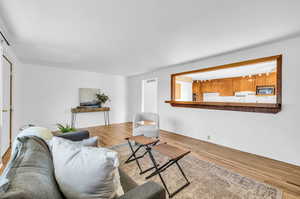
pixel 253 86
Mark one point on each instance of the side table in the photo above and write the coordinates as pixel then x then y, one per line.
pixel 75 111
pixel 174 154
pixel 143 142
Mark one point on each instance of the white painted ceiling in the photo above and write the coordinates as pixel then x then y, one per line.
pixel 246 70
pixel 128 37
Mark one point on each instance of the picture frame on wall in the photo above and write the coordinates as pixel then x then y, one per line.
pixel 87 97
pixel 265 90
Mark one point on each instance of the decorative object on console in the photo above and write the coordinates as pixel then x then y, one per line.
pixel 102 99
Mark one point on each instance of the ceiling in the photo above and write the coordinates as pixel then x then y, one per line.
pixel 246 70
pixel 128 37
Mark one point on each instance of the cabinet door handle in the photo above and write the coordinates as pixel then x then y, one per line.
pixel 4 110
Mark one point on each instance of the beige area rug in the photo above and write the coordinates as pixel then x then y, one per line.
pixel 208 181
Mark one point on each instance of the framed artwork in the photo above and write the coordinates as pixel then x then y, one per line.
pixel 87 96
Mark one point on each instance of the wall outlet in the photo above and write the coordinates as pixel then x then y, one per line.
pixel 208 137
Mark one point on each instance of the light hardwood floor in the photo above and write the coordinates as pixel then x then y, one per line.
pixel 282 175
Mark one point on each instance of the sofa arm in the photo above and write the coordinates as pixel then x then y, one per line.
pixel 75 136
pixel 149 190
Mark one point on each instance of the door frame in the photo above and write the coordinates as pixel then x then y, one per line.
pixel 143 91
pixel 10 101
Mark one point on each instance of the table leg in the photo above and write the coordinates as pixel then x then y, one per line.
pixel 134 157
pixel 104 114
pixel 179 167
pixel 133 154
pixel 73 119
pixel 107 117
pixel 159 170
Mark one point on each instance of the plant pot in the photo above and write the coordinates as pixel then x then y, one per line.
pixel 100 105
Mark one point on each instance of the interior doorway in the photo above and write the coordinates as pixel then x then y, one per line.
pixel 149 95
pixel 5 104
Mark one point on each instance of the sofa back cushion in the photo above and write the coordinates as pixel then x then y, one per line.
pixel 75 136
pixel 31 174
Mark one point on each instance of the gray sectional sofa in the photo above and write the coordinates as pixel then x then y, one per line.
pixel 30 174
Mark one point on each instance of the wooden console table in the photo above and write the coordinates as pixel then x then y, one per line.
pixel 105 111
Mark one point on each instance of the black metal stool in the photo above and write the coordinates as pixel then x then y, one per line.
pixel 175 154
pixel 144 142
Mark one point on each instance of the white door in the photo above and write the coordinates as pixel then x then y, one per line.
pixel 149 95
pixel 5 104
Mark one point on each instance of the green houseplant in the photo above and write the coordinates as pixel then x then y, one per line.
pixel 102 98
pixel 66 128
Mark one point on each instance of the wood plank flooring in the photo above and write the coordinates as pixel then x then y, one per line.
pixel 5 159
pixel 282 175
pixel 279 174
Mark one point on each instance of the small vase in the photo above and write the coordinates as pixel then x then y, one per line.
pixel 100 105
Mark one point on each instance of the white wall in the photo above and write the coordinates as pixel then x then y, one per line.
pixel 45 96
pixel 272 135
pixel 186 91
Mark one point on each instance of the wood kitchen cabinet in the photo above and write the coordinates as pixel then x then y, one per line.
pixel 226 87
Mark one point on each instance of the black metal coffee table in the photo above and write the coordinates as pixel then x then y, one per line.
pixel 174 154
pixel 143 142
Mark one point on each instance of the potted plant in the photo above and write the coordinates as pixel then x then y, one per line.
pixel 102 98
pixel 66 128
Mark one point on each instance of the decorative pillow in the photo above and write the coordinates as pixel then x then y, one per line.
pixel 41 132
pixel 93 141
pixel 84 172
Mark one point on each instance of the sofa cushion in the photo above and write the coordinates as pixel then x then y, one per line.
pixel 31 173
pixel 126 182
pixel 75 136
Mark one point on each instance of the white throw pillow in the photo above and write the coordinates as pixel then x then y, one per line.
pixel 41 132
pixel 84 172
pixel 93 141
